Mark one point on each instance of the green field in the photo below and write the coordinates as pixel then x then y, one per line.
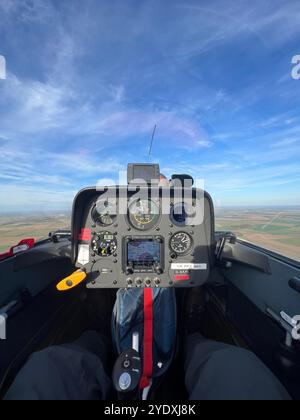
pixel 292 241
pixel 274 229
pixel 16 227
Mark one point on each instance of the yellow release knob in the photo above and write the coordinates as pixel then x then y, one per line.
pixel 71 281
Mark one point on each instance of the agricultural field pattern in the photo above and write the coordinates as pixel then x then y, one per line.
pixel 277 229
pixel 15 227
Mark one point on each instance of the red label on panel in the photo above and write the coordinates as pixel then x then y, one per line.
pixel 181 277
pixel 85 235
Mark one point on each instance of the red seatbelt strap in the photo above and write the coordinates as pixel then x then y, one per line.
pixel 148 338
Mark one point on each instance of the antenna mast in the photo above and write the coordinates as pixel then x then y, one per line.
pixel 151 142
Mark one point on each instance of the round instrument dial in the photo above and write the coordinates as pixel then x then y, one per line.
pixel 181 243
pixel 143 214
pixel 104 214
pixel 104 244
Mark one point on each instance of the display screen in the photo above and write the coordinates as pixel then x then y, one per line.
pixel 108 237
pixel 146 173
pixel 143 252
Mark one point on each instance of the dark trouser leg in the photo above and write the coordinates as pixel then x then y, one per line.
pixel 68 372
pixel 217 371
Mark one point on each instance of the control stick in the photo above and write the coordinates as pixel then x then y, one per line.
pixel 128 368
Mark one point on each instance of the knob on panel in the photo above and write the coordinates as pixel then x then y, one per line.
pixel 138 282
pixel 158 269
pixel 129 270
pixel 129 281
pixel 157 281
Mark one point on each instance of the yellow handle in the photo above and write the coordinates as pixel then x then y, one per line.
pixel 71 281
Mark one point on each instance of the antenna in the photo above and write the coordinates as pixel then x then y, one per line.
pixel 151 142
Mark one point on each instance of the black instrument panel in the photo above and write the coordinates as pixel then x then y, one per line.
pixel 127 239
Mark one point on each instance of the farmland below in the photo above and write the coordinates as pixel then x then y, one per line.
pixel 277 229
pixel 15 227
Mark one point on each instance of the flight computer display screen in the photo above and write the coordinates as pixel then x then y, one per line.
pixel 146 173
pixel 143 252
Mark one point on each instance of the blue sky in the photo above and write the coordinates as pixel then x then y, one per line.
pixel 88 80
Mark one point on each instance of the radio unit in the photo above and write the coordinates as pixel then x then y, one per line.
pixel 143 254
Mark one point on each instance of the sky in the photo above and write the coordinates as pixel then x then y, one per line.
pixel 86 81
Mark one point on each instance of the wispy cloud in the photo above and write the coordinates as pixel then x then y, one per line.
pixel 257 20
pixel 87 82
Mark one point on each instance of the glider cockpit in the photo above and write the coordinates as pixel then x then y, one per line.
pixel 150 241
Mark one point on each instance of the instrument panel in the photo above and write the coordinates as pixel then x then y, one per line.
pixel 127 239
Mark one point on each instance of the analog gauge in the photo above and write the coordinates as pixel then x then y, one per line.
pixel 182 214
pixel 104 244
pixel 143 214
pixel 104 214
pixel 181 243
